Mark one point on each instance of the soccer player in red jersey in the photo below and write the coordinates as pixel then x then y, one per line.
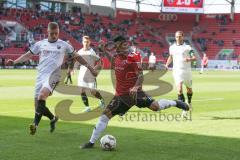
pixel 204 63
pixel 129 79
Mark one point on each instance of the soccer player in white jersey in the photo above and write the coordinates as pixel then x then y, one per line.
pixel 152 61
pixel 51 53
pixel 85 77
pixel 182 55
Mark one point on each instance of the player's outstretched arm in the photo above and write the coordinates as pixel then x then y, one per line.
pixel 169 61
pixel 23 58
pixel 83 62
pixel 98 65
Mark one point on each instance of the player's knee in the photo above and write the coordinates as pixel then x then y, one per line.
pixel 93 92
pixel 189 90
pixel 180 90
pixel 154 106
pixel 42 96
pixel 108 113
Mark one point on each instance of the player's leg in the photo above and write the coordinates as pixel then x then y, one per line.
pixel 96 94
pixel 48 85
pixel 189 95
pixel 179 78
pixel 43 109
pixel 206 68
pixel 70 76
pixel 165 103
pixel 82 84
pixel 202 68
pixel 116 106
pixel 66 82
pixel 85 100
pixel 37 116
pixel 99 128
pixel 143 100
pixel 188 84
pixel 181 96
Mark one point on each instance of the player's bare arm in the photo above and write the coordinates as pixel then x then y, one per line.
pixel 98 65
pixel 23 58
pixel 169 61
pixel 83 62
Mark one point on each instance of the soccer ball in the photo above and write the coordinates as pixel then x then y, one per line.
pixel 108 142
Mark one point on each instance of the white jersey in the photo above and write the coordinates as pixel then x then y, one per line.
pixel 91 58
pixel 152 59
pixel 179 53
pixel 51 55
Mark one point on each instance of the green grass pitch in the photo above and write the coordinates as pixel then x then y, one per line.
pixel 212 134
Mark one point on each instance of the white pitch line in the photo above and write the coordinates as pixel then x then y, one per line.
pixel 210 99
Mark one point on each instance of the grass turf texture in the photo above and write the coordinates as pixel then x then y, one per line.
pixel 213 133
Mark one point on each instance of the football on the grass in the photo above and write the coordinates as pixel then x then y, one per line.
pixel 108 142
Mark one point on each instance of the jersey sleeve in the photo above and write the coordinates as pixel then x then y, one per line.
pixel 69 49
pixel 35 48
pixel 96 56
pixel 134 60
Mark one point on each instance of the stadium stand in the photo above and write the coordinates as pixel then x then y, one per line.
pixel 212 34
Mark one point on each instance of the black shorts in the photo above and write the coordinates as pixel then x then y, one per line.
pixel 119 105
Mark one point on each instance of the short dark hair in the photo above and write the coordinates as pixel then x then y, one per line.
pixel 119 38
pixel 53 25
pixel 181 32
pixel 86 37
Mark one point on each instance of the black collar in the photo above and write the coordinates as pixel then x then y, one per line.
pixel 52 41
pixel 179 44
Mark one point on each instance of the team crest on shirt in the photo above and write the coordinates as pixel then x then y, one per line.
pixel 58 47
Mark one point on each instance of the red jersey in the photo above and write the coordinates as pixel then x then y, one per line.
pixel 205 61
pixel 127 69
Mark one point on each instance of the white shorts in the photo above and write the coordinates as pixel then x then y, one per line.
pixel 91 85
pixel 45 81
pixel 183 77
pixel 151 65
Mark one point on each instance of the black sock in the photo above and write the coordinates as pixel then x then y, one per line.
pixel 85 99
pixel 37 118
pixel 44 110
pixel 98 95
pixel 70 78
pixel 38 112
pixel 66 81
pixel 189 95
pixel 181 97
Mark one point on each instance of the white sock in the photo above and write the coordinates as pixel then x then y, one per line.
pixel 201 70
pixel 101 125
pixel 164 103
